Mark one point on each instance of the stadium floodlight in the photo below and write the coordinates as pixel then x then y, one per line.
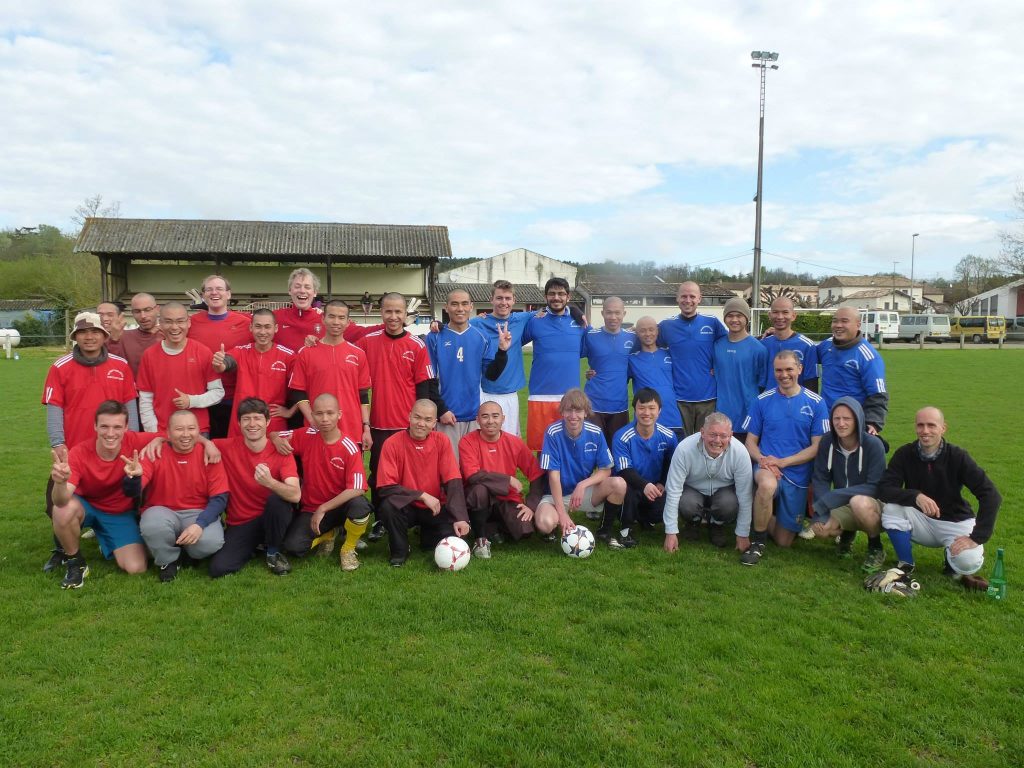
pixel 761 59
pixel 913 242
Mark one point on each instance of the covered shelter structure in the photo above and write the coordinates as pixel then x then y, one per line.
pixel 166 257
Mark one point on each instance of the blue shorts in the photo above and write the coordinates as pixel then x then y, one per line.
pixel 112 531
pixel 790 505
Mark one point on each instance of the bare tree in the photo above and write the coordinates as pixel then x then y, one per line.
pixel 1012 255
pixel 975 274
pixel 93 206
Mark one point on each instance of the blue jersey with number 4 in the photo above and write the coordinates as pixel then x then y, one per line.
pixel 458 358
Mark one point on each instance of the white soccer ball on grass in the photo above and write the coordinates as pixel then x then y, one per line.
pixel 579 542
pixel 451 554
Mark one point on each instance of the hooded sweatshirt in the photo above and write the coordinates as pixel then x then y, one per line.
pixel 839 477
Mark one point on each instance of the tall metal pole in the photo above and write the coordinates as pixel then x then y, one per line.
pixel 763 61
pixel 894 263
pixel 913 242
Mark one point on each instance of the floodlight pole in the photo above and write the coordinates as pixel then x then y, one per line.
pixel 894 263
pixel 913 242
pixel 764 60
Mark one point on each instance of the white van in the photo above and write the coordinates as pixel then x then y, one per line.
pixel 875 321
pixel 928 327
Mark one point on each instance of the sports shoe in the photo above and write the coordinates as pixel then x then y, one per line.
pixel 593 514
pixel 603 534
pixel 691 530
pixel 168 572
pixel 874 561
pixel 907 568
pixel 74 576
pixel 621 542
pixel 753 553
pixel 844 543
pixel 349 560
pixel 498 538
pixel 805 530
pixel 377 532
pixel 482 549
pixel 361 544
pixel 718 536
pixel 397 561
pixel 56 560
pixel 324 543
pixel 88 533
pixel 278 564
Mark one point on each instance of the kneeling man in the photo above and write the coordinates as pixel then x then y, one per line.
pixel 264 485
pixel 849 464
pixel 922 490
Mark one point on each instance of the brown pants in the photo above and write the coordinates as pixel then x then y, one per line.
pixel 484 507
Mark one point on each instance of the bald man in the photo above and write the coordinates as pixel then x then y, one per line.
pixel 851 367
pixel 922 488
pixel 132 343
pixel 607 350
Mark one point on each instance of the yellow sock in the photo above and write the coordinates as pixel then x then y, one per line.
pixel 353 530
pixel 329 536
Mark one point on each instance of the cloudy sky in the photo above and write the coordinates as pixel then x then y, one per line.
pixel 585 130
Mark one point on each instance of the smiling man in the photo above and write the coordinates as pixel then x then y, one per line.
pixel 850 366
pixel 300 321
pixel 782 314
pixel 607 350
pixel 132 343
pixel 650 367
pixel 740 364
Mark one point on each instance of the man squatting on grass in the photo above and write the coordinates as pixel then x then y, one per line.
pixel 922 490
pixel 849 464
pixel 710 479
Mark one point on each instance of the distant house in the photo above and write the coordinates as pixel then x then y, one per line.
pixel 876 298
pixel 520 266
pixel 1006 300
pixel 833 292
pixel 19 309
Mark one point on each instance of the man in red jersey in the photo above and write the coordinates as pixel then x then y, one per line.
pixel 75 385
pixel 131 344
pixel 184 497
pixel 301 322
pixel 401 373
pixel 490 459
pixel 333 483
pixel 264 485
pixel 262 370
pixel 87 492
pixel 420 484
pixel 177 374
pixel 220 328
pixel 340 368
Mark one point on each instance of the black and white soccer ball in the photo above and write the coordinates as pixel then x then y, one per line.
pixel 578 543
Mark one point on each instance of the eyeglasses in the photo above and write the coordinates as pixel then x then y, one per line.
pixel 182 321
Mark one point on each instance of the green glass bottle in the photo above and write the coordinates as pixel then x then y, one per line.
pixel 997 583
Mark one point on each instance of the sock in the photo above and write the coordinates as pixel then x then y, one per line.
pixel 611 514
pixel 271 551
pixel 759 536
pixel 353 530
pixel 624 533
pixel 875 542
pixel 900 541
pixel 68 556
pixel 57 544
pixel 848 537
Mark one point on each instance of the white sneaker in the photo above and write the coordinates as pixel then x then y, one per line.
pixel 482 549
pixel 806 532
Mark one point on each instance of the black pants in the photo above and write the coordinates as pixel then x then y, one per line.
pixel 241 541
pixel 398 521
pixel 638 508
pixel 299 537
pixel 484 507
pixel 378 436
pixel 610 423
pixel 220 418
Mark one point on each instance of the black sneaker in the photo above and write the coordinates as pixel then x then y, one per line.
pixel 74 576
pixel 753 554
pixel 603 534
pixel 377 532
pixel 621 542
pixel 56 560
pixel 398 561
pixel 718 536
pixel 168 572
pixel 691 530
pixel 908 568
pixel 844 544
pixel 278 564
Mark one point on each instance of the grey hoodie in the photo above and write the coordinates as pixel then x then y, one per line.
pixel 838 478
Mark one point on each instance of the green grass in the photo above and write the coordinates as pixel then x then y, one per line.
pixel 629 658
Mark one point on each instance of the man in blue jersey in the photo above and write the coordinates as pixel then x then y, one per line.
pixel 850 366
pixel 650 367
pixel 557 339
pixel 642 452
pixel 579 467
pixel 462 357
pixel 740 364
pixel 607 350
pixel 782 314
pixel 783 429
pixel 691 338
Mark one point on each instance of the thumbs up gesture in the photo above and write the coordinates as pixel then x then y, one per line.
pixel 219 364
pixel 182 400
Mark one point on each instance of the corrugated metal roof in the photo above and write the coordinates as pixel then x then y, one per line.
pixel 23 305
pixel 480 293
pixel 181 238
pixel 858 281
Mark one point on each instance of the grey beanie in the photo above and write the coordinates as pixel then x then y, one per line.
pixel 736 304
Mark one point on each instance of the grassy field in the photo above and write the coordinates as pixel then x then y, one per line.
pixel 631 658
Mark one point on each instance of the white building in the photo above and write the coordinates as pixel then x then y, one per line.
pixel 517 266
pixel 1006 300
pixel 870 292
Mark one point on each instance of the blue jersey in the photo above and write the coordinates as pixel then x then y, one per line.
pixel 692 343
pixel 654 370
pixel 650 457
pixel 805 350
pixel 557 340
pixel 459 359
pixel 608 354
pixel 513 378
pixel 739 371
pixel 574 458
pixel 856 372
pixel 785 425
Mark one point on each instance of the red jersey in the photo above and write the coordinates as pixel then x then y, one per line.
pixel 79 389
pixel 263 375
pixel 340 369
pixel 294 325
pixel 503 457
pixel 232 330
pixel 247 496
pixel 327 469
pixel 354 332
pixel 421 465
pixel 181 480
pixel 97 480
pixel 189 371
pixel 397 365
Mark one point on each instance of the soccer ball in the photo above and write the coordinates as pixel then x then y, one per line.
pixel 451 554
pixel 578 542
